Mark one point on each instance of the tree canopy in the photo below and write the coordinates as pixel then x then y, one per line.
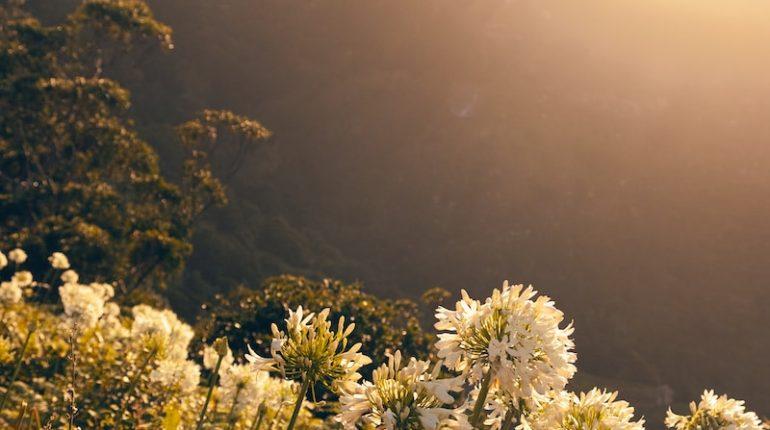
pixel 75 175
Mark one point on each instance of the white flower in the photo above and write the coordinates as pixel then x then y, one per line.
pixel 84 304
pixel 512 334
pixel 182 375
pixel 241 387
pixel 69 277
pixel 17 255
pixel 400 397
pixel 162 326
pixel 59 261
pixel 3 260
pixel 23 278
pixel 595 410
pixel 715 413
pixel 309 350
pixel 10 293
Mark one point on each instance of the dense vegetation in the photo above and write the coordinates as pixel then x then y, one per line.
pixel 75 174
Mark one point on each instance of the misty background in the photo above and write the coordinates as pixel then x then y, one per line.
pixel 614 153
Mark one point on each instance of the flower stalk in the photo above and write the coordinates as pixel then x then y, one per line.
pixel 298 405
pixel 261 410
pixel 232 417
pixel 212 383
pixel 486 382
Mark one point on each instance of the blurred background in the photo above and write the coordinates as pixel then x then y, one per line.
pixel 614 153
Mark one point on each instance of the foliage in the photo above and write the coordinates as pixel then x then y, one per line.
pixel 133 363
pixel 75 174
pixel 244 316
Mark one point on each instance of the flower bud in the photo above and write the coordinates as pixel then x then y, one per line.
pixel 221 347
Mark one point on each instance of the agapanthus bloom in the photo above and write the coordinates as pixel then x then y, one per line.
pixel 242 387
pixel 310 351
pixel 18 256
pixel 23 278
pixel 512 336
pixel 69 277
pixel 10 293
pixel 59 261
pixel 594 410
pixel 402 397
pixel 182 375
pixel 163 329
pixel 715 413
pixel 84 304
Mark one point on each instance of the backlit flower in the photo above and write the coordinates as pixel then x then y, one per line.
pixel 512 334
pixel 18 256
pixel 163 328
pixel 182 375
pixel 10 293
pixel 715 413
pixel 59 261
pixel 400 397
pixel 84 304
pixel 310 350
pixel 69 277
pixel 23 278
pixel 594 410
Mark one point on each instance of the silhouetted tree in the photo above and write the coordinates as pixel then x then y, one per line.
pixel 74 175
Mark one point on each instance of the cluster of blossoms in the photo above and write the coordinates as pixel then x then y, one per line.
pixel 510 358
pixel 715 413
pixel 596 410
pixel 11 291
pixel 503 364
pixel 310 351
pixel 512 339
pixel 401 396
pixel 247 394
pixel 511 346
pixel 122 369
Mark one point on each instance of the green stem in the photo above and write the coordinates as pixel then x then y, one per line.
pixel 486 382
pixel 231 417
pixel 16 368
pixel 132 385
pixel 298 405
pixel 212 382
pixel 261 410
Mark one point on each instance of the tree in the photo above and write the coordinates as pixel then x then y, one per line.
pixel 74 175
pixel 245 315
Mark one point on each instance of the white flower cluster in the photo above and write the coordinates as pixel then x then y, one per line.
pixel 310 351
pixel 164 336
pixel 12 291
pixel 513 336
pixel 161 330
pixel 715 413
pixel 84 304
pixel 595 410
pixel 59 261
pixel 401 397
pixel 181 375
